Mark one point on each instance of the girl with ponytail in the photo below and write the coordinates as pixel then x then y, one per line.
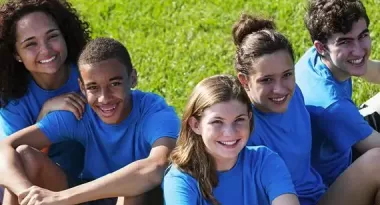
pixel 211 163
pixel 264 63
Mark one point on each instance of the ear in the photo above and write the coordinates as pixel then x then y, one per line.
pixel 320 47
pixel 250 115
pixel 81 86
pixel 194 125
pixel 17 57
pixel 133 78
pixel 243 79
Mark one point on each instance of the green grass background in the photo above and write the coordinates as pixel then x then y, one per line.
pixel 175 44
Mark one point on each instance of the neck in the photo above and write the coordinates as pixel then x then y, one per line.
pixel 225 164
pixel 52 81
pixel 337 73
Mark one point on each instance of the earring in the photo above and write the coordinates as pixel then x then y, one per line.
pixel 19 60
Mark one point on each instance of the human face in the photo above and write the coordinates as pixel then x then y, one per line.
pixel 225 128
pixel 271 84
pixel 40 45
pixel 107 88
pixel 347 54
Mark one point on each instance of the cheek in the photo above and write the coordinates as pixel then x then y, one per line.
pixel 60 45
pixel 290 83
pixel 91 97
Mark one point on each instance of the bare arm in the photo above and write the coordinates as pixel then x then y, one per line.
pixel 286 199
pixel 31 136
pixel 11 169
pixel 132 180
pixel 372 141
pixel 373 72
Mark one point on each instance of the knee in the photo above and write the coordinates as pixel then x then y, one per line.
pixel 30 159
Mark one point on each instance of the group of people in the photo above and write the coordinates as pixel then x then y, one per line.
pixel 74 131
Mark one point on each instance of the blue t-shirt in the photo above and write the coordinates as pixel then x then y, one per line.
pixel 110 147
pixel 289 134
pixel 258 177
pixel 336 122
pixel 24 112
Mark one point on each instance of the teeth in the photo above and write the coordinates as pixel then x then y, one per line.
pixel 278 99
pixel 228 142
pixel 358 61
pixel 108 109
pixel 48 60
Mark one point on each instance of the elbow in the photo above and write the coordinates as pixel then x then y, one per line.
pixel 159 167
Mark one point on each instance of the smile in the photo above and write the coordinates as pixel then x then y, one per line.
pixel 229 143
pixel 357 61
pixel 47 60
pixel 107 110
pixel 279 100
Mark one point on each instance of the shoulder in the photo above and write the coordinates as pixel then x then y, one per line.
pixel 152 105
pixel 175 176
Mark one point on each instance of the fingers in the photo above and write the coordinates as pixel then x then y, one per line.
pixel 27 196
pixel 76 104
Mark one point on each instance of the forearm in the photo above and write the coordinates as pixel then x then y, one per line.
pixel 132 180
pixel 373 72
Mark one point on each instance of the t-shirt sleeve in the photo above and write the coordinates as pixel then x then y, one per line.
pixel 60 126
pixel 276 177
pixel 344 126
pixel 11 121
pixel 180 190
pixel 163 123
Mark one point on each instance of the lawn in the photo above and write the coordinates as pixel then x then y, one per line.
pixel 175 44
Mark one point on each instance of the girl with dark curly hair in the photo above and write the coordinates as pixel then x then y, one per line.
pixel 40 41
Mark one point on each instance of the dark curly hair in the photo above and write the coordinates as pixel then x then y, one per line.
pixel 255 37
pixel 13 75
pixel 326 17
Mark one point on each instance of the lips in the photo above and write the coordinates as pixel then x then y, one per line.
pixel 358 61
pixel 279 100
pixel 107 110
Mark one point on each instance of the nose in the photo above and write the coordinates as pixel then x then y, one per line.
pixel 44 47
pixel 279 88
pixel 104 96
pixel 229 130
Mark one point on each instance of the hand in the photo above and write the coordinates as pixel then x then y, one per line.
pixel 38 196
pixel 70 101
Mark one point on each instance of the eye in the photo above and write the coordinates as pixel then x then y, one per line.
pixel 288 74
pixel 240 119
pixel 53 36
pixel 91 87
pixel 115 84
pixel 266 80
pixel 364 35
pixel 216 122
pixel 344 42
pixel 31 44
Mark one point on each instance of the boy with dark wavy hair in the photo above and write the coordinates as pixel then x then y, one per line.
pixel 341 49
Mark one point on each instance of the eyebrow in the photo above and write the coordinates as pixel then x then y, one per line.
pixel 347 38
pixel 116 78
pixel 265 76
pixel 111 79
pixel 90 83
pixel 241 115
pixel 30 38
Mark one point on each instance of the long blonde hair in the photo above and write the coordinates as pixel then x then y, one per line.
pixel 190 154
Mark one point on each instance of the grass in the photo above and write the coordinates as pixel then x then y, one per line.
pixel 176 43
